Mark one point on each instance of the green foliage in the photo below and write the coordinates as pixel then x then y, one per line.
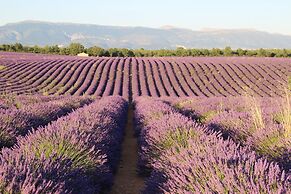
pixel 75 48
pixel 229 126
pixel 79 157
pixel 241 52
pixel 178 138
pixel 155 116
pixel 181 104
pixel 18 47
pixel 51 49
pixel 227 51
pixel 203 118
pixel 114 52
pixel 278 118
pixel 95 51
pixel 127 53
pixel 215 52
pixel 2 67
pixel 271 145
pixel 10 100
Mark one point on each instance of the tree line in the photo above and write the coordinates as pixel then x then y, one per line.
pixel 75 48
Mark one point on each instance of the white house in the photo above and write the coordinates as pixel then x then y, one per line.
pixel 82 55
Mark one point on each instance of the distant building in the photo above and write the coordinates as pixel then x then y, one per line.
pixel 82 55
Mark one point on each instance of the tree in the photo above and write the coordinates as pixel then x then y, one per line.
pixel 182 52
pixel 126 52
pixel 261 52
pixel 195 52
pixel 216 52
pixel 227 51
pixel 54 49
pixel 205 52
pixel 36 49
pixel 75 48
pixel 251 53
pixel 114 52
pixel 18 47
pixel 64 51
pixel 96 51
pixel 241 52
pixel 138 53
pixel 282 53
pixel 106 53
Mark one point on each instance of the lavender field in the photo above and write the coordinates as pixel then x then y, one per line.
pixel 144 125
pixel 132 77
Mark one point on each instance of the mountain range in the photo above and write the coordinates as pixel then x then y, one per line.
pixel 169 37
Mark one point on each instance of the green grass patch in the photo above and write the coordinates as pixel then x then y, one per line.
pixel 271 145
pixel 183 103
pixel 203 118
pixel 178 138
pixel 79 157
pixel 230 127
pixel 154 116
pixel 10 100
pixel 278 118
pixel 2 67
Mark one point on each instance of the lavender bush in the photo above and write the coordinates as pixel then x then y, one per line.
pixel 262 123
pixel 17 101
pixel 17 122
pixel 74 154
pixel 208 165
pixel 188 158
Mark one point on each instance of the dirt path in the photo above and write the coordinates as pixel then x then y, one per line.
pixel 127 180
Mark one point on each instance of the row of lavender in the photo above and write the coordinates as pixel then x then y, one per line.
pixel 17 101
pixel 164 76
pixel 75 154
pixel 264 124
pixel 17 57
pixel 21 115
pixel 74 76
pixel 186 157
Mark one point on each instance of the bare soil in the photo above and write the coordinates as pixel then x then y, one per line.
pixel 127 179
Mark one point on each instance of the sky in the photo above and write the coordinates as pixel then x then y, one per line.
pixel 266 15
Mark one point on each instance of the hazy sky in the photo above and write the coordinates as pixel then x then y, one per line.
pixel 267 15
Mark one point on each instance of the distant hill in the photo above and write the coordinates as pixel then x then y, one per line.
pixel 46 33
